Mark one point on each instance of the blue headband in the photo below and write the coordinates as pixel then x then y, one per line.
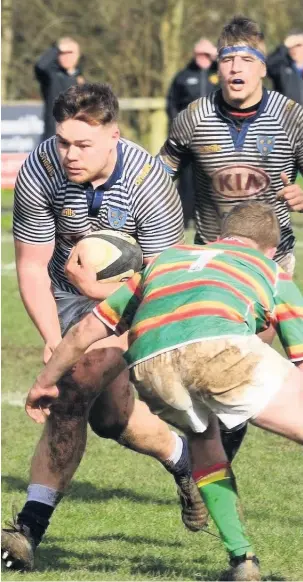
pixel 227 50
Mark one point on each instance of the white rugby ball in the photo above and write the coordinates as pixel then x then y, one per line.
pixel 114 255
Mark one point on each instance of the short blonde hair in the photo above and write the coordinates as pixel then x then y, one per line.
pixel 242 30
pixel 254 220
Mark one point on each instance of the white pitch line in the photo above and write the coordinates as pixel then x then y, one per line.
pixel 6 238
pixel 8 266
pixel 13 398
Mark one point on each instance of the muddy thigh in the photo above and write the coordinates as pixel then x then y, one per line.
pixel 217 367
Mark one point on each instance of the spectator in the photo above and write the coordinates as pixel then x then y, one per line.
pixel 57 70
pixel 285 67
pixel 197 80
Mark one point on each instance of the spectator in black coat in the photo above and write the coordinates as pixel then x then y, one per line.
pixel 57 70
pixel 197 80
pixel 285 67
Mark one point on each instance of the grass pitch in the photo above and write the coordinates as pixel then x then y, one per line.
pixel 120 519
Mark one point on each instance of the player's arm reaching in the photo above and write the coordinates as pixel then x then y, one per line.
pixel 113 315
pixel 288 318
pixel 176 148
pixel 34 234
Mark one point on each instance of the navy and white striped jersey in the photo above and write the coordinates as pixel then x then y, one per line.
pixel 231 165
pixel 139 198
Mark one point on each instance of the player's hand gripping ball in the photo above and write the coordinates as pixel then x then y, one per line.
pixel 109 255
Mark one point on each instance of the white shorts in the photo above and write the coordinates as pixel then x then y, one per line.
pixel 234 377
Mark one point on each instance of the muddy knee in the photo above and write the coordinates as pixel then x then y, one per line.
pixel 110 412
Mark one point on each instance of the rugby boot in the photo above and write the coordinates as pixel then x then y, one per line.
pixel 243 568
pixel 193 510
pixel 17 547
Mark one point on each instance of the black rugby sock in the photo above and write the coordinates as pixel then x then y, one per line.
pixel 35 515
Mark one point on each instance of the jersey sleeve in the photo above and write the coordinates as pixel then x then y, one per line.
pixel 118 310
pixel 177 146
pixel 33 217
pixel 288 316
pixel 157 210
pixel 299 148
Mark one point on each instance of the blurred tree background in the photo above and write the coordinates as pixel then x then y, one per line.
pixel 135 45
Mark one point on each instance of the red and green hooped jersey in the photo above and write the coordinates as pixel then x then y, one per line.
pixel 192 292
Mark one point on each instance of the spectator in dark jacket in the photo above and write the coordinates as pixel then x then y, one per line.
pixel 285 67
pixel 57 70
pixel 197 80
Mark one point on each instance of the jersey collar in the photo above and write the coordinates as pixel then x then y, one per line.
pixel 115 175
pixel 220 113
pixel 117 172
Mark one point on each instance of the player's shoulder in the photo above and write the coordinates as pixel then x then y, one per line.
pixel 282 275
pixel 282 108
pixel 43 164
pixel 202 108
pixel 130 149
pixel 138 163
pixel 245 255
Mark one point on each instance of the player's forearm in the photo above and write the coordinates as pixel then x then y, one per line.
pixel 80 337
pixel 39 302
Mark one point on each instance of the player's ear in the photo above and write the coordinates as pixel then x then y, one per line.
pixel 115 132
pixel 264 71
pixel 270 253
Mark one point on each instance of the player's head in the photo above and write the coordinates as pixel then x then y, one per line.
pixel 255 221
pixel 241 58
pixel 86 129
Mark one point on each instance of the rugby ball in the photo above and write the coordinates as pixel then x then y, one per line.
pixel 114 255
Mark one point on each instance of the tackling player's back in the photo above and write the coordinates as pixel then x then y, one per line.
pixel 189 293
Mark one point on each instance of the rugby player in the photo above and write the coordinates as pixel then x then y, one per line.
pixel 88 178
pixel 194 355
pixel 246 143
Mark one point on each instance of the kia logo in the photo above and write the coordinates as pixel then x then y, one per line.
pixel 238 181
